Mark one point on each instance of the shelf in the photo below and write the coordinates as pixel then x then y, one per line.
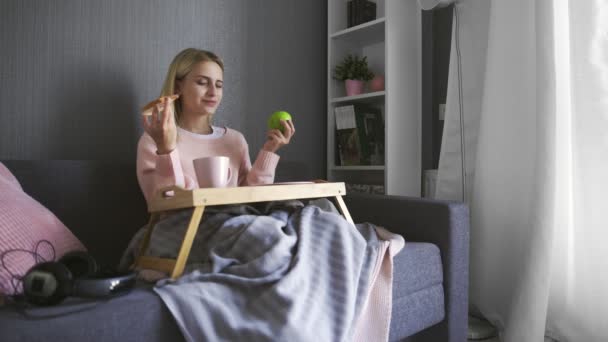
pixel 377 96
pixel 367 33
pixel 392 44
pixel 358 168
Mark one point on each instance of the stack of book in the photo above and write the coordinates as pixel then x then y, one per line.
pixel 359 135
pixel 359 12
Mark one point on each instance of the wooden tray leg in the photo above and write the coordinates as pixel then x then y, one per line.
pixel 154 218
pixel 184 250
pixel 342 208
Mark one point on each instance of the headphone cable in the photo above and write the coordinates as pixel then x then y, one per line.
pixel 38 258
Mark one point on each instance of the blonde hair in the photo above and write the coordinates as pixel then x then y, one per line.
pixel 181 65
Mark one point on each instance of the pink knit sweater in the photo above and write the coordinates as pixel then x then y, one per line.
pixel 159 171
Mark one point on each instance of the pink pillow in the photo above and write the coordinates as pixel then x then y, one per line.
pixel 27 227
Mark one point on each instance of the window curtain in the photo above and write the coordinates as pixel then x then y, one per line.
pixel 534 113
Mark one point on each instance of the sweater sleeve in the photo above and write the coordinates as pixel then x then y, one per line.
pixel 262 171
pixel 154 171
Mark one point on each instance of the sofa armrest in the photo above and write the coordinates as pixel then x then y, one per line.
pixel 443 223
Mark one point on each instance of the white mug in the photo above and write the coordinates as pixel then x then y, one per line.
pixel 212 172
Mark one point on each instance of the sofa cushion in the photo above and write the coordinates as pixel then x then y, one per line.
pixel 418 303
pixel 418 267
pixel 417 286
pixel 100 201
pixel 29 233
pixel 138 316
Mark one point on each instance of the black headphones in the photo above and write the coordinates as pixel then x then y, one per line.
pixel 75 274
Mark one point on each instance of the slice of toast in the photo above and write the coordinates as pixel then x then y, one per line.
pixel 147 109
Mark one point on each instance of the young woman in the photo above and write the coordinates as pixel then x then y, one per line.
pixel 182 131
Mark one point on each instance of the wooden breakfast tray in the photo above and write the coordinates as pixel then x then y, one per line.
pixel 199 198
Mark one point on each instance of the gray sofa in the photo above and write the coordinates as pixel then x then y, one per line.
pixel 101 203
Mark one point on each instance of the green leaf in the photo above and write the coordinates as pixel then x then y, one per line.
pixel 353 67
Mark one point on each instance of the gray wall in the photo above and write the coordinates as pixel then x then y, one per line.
pixel 73 73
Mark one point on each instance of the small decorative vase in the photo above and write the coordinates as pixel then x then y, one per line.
pixel 354 87
pixel 377 83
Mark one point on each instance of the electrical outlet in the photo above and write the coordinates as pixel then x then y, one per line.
pixel 442 111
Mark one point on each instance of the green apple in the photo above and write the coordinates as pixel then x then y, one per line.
pixel 274 121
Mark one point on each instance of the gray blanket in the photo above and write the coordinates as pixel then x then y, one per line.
pixel 282 272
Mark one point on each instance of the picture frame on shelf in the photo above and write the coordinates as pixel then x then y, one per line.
pixel 359 135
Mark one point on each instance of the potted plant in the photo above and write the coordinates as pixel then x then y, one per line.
pixel 355 72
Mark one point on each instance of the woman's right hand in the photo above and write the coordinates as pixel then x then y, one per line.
pixel 161 127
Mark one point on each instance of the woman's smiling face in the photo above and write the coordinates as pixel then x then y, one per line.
pixel 201 90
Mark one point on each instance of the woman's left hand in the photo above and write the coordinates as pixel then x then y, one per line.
pixel 276 138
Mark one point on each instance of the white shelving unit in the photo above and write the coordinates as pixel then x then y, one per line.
pixel 392 44
pixel 373 97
